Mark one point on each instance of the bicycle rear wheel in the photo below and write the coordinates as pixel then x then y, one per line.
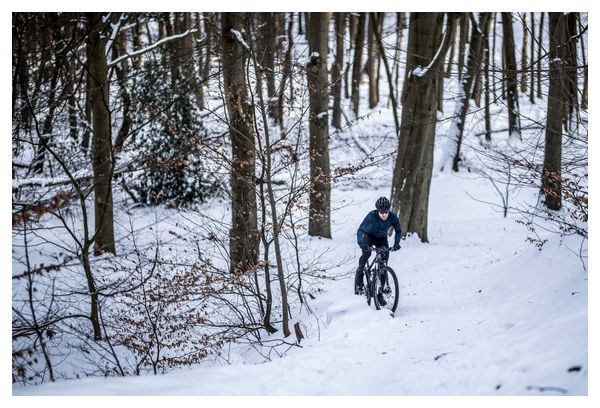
pixel 386 288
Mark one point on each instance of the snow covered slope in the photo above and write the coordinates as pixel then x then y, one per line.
pixel 481 313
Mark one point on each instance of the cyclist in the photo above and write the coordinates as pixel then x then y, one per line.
pixel 373 232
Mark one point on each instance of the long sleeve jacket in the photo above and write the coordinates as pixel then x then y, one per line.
pixel 374 225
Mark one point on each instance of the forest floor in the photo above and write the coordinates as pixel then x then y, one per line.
pixel 482 312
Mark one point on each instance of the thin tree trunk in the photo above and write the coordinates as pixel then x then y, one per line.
pixel 539 55
pixel 372 61
pixel 524 79
pixel 320 188
pixel 462 44
pixel 400 26
pixel 451 56
pixel 493 56
pixel 571 70
pixel 486 75
pixel 476 51
pixel 336 70
pixel 243 236
pixel 101 143
pixel 558 98
pixel 584 95
pixel 46 135
pixel 266 57
pixel 532 64
pixel 512 93
pixel 357 62
pixel 390 82
pixel 122 74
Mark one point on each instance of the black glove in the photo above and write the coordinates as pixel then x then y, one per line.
pixel 396 247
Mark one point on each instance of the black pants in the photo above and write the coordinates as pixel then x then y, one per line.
pixel 369 240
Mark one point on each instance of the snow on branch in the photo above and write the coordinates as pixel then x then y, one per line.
pixel 240 39
pixel 153 46
pixel 420 71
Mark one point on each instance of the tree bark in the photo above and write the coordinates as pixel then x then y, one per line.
pixel 462 44
pixel 372 61
pixel 532 53
pixel 336 70
pixel 539 56
pixel 558 99
pixel 475 57
pixel 101 137
pixel 320 186
pixel 357 62
pixel 414 160
pixel 266 57
pixel 571 70
pixel 512 94
pixel 451 56
pixel 243 236
pixel 524 78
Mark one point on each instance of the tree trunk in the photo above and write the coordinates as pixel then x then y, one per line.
pixel 400 26
pixel 336 70
pixel 451 56
pixel 357 62
pixel 486 76
pixel 243 237
pixel 476 47
pixel 266 57
pixel 512 94
pixel 414 160
pixel 267 164
pixel 101 137
pixel 122 71
pixel 524 78
pixel 320 186
pixel 571 70
pixel 462 44
pixel 372 61
pixel 493 56
pixel 532 53
pixel 584 94
pixel 286 73
pixel 390 82
pixel 558 98
pixel 539 55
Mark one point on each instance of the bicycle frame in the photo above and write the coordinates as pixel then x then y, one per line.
pixel 369 270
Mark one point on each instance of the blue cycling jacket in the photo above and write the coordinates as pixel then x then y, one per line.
pixel 374 225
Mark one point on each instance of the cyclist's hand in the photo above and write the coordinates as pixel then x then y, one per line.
pixel 396 247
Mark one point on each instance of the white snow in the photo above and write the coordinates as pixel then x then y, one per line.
pixel 481 313
pixel 240 39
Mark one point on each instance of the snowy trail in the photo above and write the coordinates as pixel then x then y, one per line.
pixel 481 313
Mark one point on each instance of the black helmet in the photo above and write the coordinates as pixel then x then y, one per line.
pixel 383 204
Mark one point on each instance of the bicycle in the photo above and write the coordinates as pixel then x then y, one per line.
pixel 386 284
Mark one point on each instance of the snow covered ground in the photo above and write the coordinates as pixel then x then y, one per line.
pixel 481 313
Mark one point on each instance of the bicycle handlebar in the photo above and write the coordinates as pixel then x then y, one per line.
pixel 382 249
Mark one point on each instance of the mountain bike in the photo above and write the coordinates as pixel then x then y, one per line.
pixel 380 282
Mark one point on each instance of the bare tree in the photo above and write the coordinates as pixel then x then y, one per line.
pixel 337 68
pixel 243 235
pixel 512 94
pixel 102 140
pixel 357 67
pixel 476 50
pixel 319 208
pixel 558 100
pixel 414 160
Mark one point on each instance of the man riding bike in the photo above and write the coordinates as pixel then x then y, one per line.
pixel 373 232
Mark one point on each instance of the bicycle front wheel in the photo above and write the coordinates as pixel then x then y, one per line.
pixel 386 292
